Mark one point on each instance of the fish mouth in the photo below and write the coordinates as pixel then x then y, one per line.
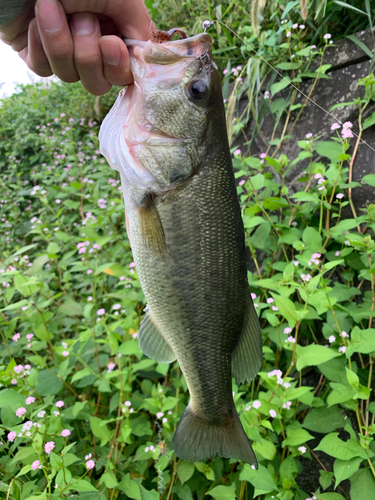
pixel 170 52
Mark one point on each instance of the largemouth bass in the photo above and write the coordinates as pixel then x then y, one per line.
pixel 166 135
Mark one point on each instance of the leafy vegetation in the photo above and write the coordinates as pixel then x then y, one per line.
pixel 83 412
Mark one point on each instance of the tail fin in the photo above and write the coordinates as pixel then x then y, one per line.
pixel 196 440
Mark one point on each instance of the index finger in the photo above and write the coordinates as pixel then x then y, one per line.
pixel 130 16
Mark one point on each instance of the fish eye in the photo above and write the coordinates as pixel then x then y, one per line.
pixel 197 90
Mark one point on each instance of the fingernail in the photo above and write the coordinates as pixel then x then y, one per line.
pixel 112 54
pixel 50 16
pixel 83 24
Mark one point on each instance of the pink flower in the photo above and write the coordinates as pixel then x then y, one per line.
pixel 60 404
pixel 339 196
pixel 12 436
pixel 36 465
pixel 308 135
pixel 128 403
pixel 327 36
pixel 65 433
pixel 331 339
pixel 13 381
pixel 342 349
pixel 89 299
pixel 290 339
pixel 16 337
pixel 89 271
pixel 48 447
pixel 253 296
pixel 274 308
pixel 335 126
pixel 100 312
pixel 302 449
pixel 65 354
pixel 30 400
pixel 241 183
pixel 29 336
pixel 18 369
pixel 272 413
pixel 295 25
pixel 116 306
pixel 87 457
pixel 225 72
pixel 302 26
pixel 111 367
pixel 257 404
pixel 346 133
pixel 262 155
pixel 288 34
pixel 121 278
pixel 20 412
pixel 56 413
pixel 159 414
pixel 237 152
pixel 90 464
pixel 270 300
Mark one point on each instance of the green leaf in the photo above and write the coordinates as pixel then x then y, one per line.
pixel 266 449
pixel 82 485
pixel 329 496
pixel 261 479
pixel 250 222
pixel 325 479
pixel 38 264
pixel 149 494
pixel 185 471
pixel 362 485
pixel 223 492
pixel 277 87
pixel 9 397
pixel 329 149
pixel 289 468
pixel 287 309
pixel 71 308
pixel 324 419
pixel 130 347
pixel 48 383
pixel 313 355
pixel 109 479
pixel 340 394
pixel 100 431
pixel 362 341
pixel 183 492
pixel 344 469
pixel 130 488
pixel 295 437
pixel 312 239
pixel 370 178
pixel 361 45
pixel 344 450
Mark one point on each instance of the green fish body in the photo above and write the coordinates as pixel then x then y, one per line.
pixel 166 135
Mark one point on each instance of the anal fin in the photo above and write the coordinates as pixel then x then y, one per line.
pixel 247 357
pixel 152 343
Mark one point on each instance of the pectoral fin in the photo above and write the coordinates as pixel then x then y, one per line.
pixel 152 342
pixel 151 227
pixel 247 357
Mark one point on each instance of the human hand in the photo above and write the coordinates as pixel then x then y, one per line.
pixel 77 40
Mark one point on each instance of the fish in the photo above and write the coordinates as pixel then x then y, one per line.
pixel 166 136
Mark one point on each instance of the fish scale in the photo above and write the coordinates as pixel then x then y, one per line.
pixel 187 238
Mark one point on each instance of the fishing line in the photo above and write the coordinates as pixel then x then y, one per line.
pixel 207 24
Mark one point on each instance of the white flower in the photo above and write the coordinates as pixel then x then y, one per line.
pixel 302 449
